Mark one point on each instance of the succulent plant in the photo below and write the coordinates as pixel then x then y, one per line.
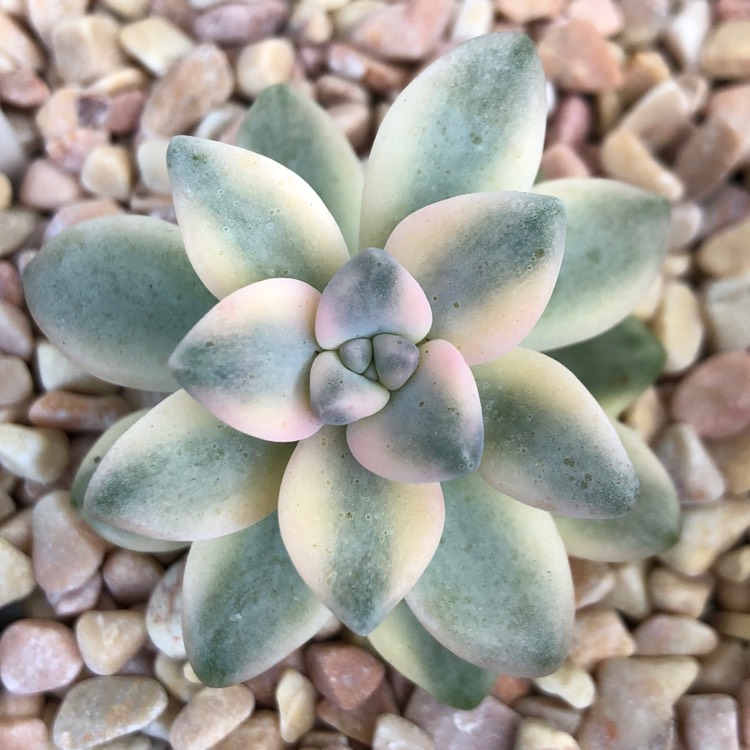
pixel 353 426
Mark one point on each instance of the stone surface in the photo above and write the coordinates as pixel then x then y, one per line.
pixel 393 732
pixel 571 683
pixel 592 581
pixel 75 601
pixel 726 52
pixel 16 575
pixel 164 613
pixel 108 173
pixel 678 324
pixel 16 226
pixel 237 23
pixel 33 453
pixel 152 164
pixel 264 64
pixel 552 711
pixel 155 43
pixel 130 576
pixel 77 413
pixel 56 372
pixel 260 732
pixel 599 633
pixel 536 735
pixel 726 253
pixel 727 309
pixel 24 734
pixel 709 722
pixel 295 698
pixel 671 591
pixel 107 640
pixel 38 656
pixel 522 11
pixel 47 187
pixel 15 380
pixel 667 635
pixel 85 47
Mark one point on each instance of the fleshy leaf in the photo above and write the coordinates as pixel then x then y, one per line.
pixel 404 643
pixel 548 443
pixel 358 540
pixel 244 605
pixel 340 396
pixel 248 360
pixel 652 526
pixel 615 243
pixel 356 354
pixel 180 473
pixel 371 294
pixel 396 358
pixel 487 262
pixel 312 146
pixel 120 537
pixel 245 218
pixel 473 121
pixel 116 295
pixel 431 429
pixel 616 366
pixel 498 592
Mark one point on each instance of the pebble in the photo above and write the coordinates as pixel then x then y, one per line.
pixel 33 453
pixel 393 732
pixel 686 31
pixel 6 193
pixel 24 734
pixel 707 531
pixel 296 698
pixel 210 716
pixel 16 226
pixel 37 656
pixel 625 157
pixel 47 187
pixel 551 711
pixel 604 15
pixel 726 253
pixel 647 414
pixel 732 103
pixel 734 624
pixel 355 121
pixel 73 602
pixel 125 111
pixel 678 324
pixel 66 551
pixel 197 83
pixel 130 576
pixel 152 165
pixel 671 591
pixel 16 575
pixel 310 24
pixel 259 732
pixel 23 88
pixel 264 685
pixel 726 305
pixel 629 594
pixel 536 735
pixel 10 284
pixel 74 412
pixel 15 380
pixel 155 43
pixel 577 58
pixel 57 373
pixel 689 463
pixel 171 673
pixel 378 76
pixel 16 45
pixel 592 581
pixel 344 673
pixel 403 31
pixel 726 52
pixel 643 70
pixel 734 565
pixel 107 640
pixel 17 532
pixel 598 633
pixel 489 725
pixel 643 20
pixel 571 683
pixel 709 722
pixel 15 331
pixel 44 15
pixel 7 506
pixel 522 11
pixel 237 23
pixel 560 161
pixel 86 717
pixel 164 613
pixel 128 8
pixel 672 635
pixel 474 18
pixel 719 673
pixel 642 687
pixel 264 64
pixel 13 157
pixel 108 173
pixel 86 48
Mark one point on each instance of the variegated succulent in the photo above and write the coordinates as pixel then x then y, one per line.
pixel 353 426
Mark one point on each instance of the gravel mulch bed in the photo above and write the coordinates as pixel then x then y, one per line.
pixel 652 92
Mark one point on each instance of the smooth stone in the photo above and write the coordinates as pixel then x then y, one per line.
pixel 726 305
pixel 552 711
pixel 354 119
pixel 171 673
pixel 296 698
pixel 164 613
pixel 522 11
pixel 24 734
pixel 56 372
pixel 671 591
pixel 73 602
pixel 726 52
pixel 259 732
pixel 75 213
pixel 571 683
pixel 33 452
pixel 16 226
pixel 16 574
pixel 734 565
pixel 15 331
pixel 131 577
pixel 560 160
pixel 47 187
pixel 379 77
pixel 264 64
pixel 155 42
pixel 14 706
pixel 592 581
pixel 85 48
pixel 709 722
pixel 726 253
pixel 734 624
pixel 11 290
pixel 74 412
pixel 234 23
pixel 107 172
pixel 599 633
pixel 536 735
pixel 107 640
pixel 15 380
pixel 643 20
pixel 672 635
pixel 686 31
pixel 38 656
pixel 102 709
pixel 474 18
pixel 17 46
pixel 629 595
pixel 151 157
pixel 678 324
pixel 719 673
pixel 393 732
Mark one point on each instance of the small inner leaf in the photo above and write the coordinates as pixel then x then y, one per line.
pixel 356 354
pixel 396 358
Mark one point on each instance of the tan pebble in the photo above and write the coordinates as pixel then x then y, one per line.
pixel 66 551
pixel 671 591
pixel 220 124
pixel 592 581
pixel 734 565
pixel 86 717
pixel 711 153
pixel 534 734
pixel 726 52
pixel 686 224
pixel 47 187
pixel 260 732
pixel 264 685
pixel 727 253
pixel 490 724
pixel 727 310
pixel 474 18
pixel 107 172
pixel 402 32
pixel 164 613
pixel 74 412
pixel 643 70
pixel 33 453
pixel 155 43
pixel 686 31
pixel 732 104
pixel 197 83
pixel 15 380
pixel 355 120
pixel 129 9
pixel 552 711
pixel 629 595
pixel 264 64
pixel 709 722
pixel 7 506
pixel 393 732
pixel 152 164
pixel 598 634
pixel 690 465
pixel 604 15
pixel 310 24
pixel 733 457
pixel 625 157
pixel 707 531
pixel 380 77
pixel 73 602
pixel 171 673
pixel 11 290
pixel 734 624
pixel 577 58
pixel 17 579
pixel 119 81
pixel 345 674
pixel 24 734
pixel 678 325
pixel 107 640
pixel 210 716
pixel 719 673
pixel 44 15
pixel 86 48
pixel 331 89
pixel 321 738
pixel 296 698
pixel 237 23
pixel 13 158
pixel 14 706
pixel 23 88
pixel 571 683
pixel 17 46
pixel 646 687
pixel 647 414
pixel 672 635
pixel 131 576
pixel 560 160
pixel 75 213
pixel 16 226
pixel 643 20
pixel 521 11
pixel 6 195
pixel 17 532
pixel 56 372
pixel 37 656
pixel 734 597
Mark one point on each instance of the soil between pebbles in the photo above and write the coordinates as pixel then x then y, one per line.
pixel 653 92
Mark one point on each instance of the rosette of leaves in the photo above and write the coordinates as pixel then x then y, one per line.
pixel 362 419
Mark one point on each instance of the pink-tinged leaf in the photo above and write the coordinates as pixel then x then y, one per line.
pixel 358 540
pixel 248 360
pixel 431 429
pixel 340 396
pixel 487 262
pixel 372 294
